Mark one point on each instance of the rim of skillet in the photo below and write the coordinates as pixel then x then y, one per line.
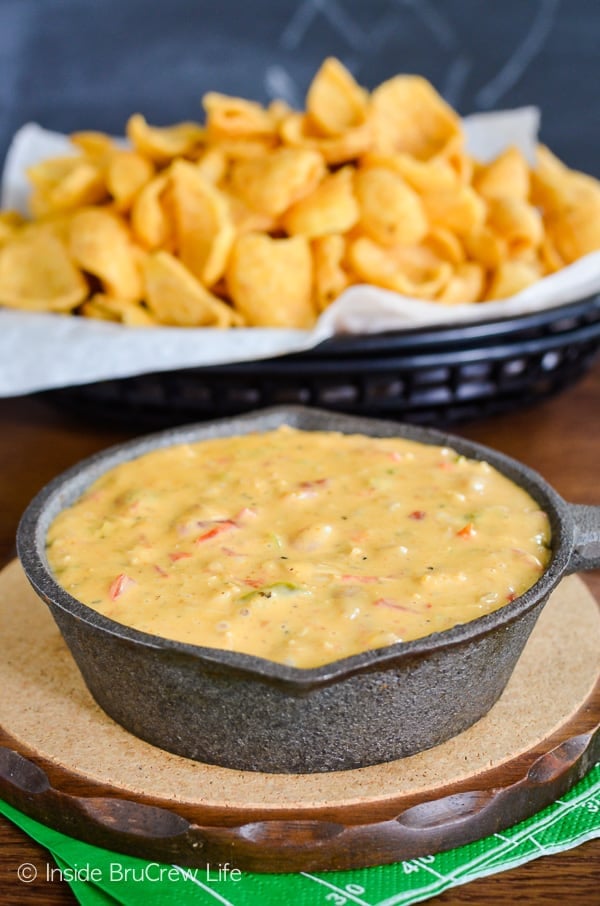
pixel 68 486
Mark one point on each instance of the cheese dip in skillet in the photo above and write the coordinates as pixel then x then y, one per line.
pixel 302 547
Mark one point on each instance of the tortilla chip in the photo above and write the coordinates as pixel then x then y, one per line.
pixel 411 117
pixel 391 213
pixel 465 285
pixel 510 278
pixel 330 208
pixel 163 143
pixel 330 275
pixel 126 174
pixel 506 176
pixel 122 311
pixel 232 118
pixel 270 280
pixel 517 222
pixel 37 274
pixel 461 211
pixel 271 184
pixel 204 230
pixel 175 297
pixel 100 244
pixel 411 270
pixel 335 102
pixel 150 221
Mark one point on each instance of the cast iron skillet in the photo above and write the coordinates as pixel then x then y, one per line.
pixel 245 712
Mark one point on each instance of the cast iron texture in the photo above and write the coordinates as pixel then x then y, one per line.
pixel 248 713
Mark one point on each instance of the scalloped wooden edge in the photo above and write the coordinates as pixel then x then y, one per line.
pixel 453 816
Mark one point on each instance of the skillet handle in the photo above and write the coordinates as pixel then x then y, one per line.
pixel 586 550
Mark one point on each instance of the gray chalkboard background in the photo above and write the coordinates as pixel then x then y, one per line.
pixel 88 64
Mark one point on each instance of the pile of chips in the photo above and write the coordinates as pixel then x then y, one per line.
pixel 262 216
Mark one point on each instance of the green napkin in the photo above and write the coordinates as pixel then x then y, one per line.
pixel 98 877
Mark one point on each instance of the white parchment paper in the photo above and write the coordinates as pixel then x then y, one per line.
pixel 44 351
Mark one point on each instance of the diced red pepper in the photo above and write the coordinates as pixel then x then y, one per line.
pixel 119 585
pixel 467 531
pixel 217 529
pixel 246 513
pixel 417 514
pixel 310 488
pixel 387 602
pixel 178 555
pixel 253 583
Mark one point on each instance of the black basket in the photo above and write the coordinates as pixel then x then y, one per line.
pixel 441 375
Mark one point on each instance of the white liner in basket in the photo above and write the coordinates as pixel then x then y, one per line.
pixel 43 351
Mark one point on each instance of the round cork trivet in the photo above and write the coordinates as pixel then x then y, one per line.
pixel 65 762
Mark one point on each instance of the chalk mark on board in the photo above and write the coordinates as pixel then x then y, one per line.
pixel 519 61
pixel 331 10
pixel 280 84
pixel 367 41
pixel 361 42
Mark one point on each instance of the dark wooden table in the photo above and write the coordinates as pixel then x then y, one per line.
pixel 560 438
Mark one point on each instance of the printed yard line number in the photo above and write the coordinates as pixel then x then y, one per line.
pixel 416 864
pixel 339 899
pixel 423 862
pixel 339 896
pixel 591 805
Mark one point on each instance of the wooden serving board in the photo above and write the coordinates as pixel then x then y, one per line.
pixel 67 764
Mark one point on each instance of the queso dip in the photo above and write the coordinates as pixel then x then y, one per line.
pixel 301 547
